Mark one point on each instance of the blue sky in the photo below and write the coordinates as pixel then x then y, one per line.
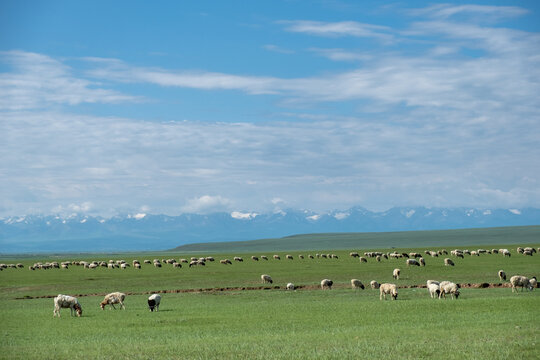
pixel 132 107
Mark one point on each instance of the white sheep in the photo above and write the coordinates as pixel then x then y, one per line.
pixel 434 290
pixel 357 284
pixel 326 284
pixel 290 286
pixel 374 284
pixel 521 281
pixel 388 289
pixel 66 301
pixel 448 287
pixel 448 262
pixel 396 273
pixel 502 275
pixel 432 282
pixel 266 279
pixel 422 261
pixel 533 283
pixel 113 298
pixel 410 262
pixel 153 302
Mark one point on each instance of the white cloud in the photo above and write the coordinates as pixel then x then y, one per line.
pixel 338 29
pixel 342 54
pixel 207 204
pixel 484 12
pixel 40 81
pixel 318 165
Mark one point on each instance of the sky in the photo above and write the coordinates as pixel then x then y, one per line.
pixel 171 107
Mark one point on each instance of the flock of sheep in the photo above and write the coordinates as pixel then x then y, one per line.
pixel 72 303
pixel 436 289
pixel 413 259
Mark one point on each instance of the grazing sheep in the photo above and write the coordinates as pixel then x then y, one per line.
pixel 301 257
pixel 388 289
pixel 276 257
pixel 153 302
pixel 225 261
pixel 448 262
pixel 432 282
pixel 254 258
pixel 422 261
pixel 434 290
pixel 521 281
pixel 506 253
pixel 374 284
pixel 533 283
pixel 378 258
pixel 113 298
pixel 354 254
pixel 290 257
pixel 264 257
pixel 396 274
pixel 266 279
pixel 311 256
pixel 357 284
pixel 502 275
pixel 326 284
pixel 526 252
pixel 448 287
pixel 290 286
pixel 363 259
pixel 177 265
pixel 237 258
pixel 410 262
pixel 66 301
pixel 519 249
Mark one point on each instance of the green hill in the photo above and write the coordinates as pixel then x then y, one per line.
pixel 403 239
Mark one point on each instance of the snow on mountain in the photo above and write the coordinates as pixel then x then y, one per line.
pixel 78 232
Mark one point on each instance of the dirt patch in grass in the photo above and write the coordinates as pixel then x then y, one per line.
pixel 248 288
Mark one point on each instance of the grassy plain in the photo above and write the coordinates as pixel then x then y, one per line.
pixel 490 323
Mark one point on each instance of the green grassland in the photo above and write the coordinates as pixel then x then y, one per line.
pixel 336 241
pixel 224 321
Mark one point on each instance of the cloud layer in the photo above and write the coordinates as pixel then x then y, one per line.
pixel 452 123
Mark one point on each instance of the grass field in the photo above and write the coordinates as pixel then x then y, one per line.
pixel 337 241
pixel 490 323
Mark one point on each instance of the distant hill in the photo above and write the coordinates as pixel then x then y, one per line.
pixel 76 232
pixel 402 239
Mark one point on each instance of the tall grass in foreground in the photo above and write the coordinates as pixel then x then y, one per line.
pixel 483 324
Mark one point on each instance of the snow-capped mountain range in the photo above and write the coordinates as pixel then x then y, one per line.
pixel 46 233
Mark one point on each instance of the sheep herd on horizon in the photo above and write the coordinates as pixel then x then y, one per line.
pixel 435 288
